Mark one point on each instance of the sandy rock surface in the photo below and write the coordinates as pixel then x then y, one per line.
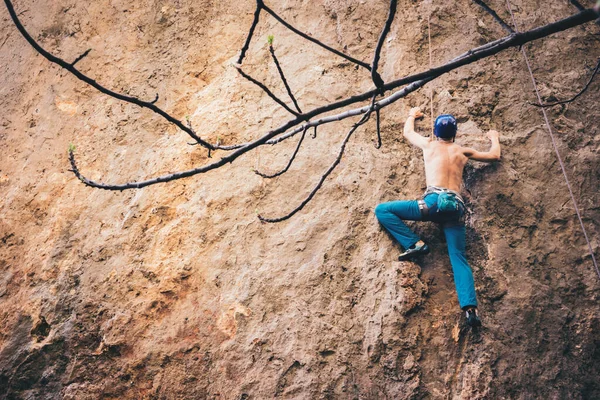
pixel 177 291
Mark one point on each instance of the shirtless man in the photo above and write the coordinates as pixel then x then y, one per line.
pixel 444 164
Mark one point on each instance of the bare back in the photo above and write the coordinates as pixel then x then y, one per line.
pixel 444 164
pixel 445 160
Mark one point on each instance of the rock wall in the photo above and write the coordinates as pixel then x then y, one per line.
pixel 177 291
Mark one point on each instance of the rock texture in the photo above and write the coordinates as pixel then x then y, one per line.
pixel 177 291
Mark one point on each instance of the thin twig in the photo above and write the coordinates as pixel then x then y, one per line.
pixel 79 75
pixel 323 177
pixel 268 92
pixel 578 5
pixel 504 25
pixel 315 41
pixel 378 145
pixel 285 83
pixel 577 95
pixel 377 80
pixel 289 162
pixel 259 4
pixel 85 53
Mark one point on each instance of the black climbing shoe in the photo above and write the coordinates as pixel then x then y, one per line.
pixel 472 318
pixel 414 251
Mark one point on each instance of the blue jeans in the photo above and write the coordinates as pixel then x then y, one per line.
pixel 391 214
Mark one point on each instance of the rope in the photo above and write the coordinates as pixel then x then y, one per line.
pixel 562 165
pixel 430 66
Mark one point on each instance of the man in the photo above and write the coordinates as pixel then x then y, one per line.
pixel 442 203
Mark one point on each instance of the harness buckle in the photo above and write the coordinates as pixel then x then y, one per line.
pixel 423 208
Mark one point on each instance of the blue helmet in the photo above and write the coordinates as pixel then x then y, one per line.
pixel 445 126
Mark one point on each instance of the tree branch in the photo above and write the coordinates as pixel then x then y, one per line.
pixel 259 5
pixel 315 41
pixel 377 80
pixel 85 53
pixel 79 75
pixel 378 145
pixel 577 95
pixel 287 87
pixel 495 16
pixel 291 158
pixel 267 91
pixel 248 146
pixel 364 119
pixel 578 5
pixel 470 56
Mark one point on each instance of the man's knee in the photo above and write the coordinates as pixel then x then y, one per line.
pixel 381 210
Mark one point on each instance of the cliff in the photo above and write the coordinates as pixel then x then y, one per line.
pixel 178 291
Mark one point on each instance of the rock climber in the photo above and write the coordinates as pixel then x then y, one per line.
pixel 441 202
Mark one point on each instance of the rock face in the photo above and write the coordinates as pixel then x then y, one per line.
pixel 177 291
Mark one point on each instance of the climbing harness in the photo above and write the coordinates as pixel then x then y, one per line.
pixel 562 165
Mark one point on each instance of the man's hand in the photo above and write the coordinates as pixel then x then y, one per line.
pixel 486 156
pixel 416 113
pixel 409 129
pixel 493 134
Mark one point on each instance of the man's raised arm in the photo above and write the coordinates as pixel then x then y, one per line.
pixel 409 128
pixel 486 156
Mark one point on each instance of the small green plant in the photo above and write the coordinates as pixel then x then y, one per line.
pixel 71 147
pixel 270 39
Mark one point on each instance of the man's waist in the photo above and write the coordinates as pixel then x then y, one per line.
pixel 438 189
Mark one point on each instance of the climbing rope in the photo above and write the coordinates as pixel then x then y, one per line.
pixel 430 66
pixel 562 165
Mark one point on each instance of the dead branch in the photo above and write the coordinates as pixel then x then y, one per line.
pixel 290 161
pixel 85 53
pixel 375 77
pixel 516 39
pixel 250 31
pixel 556 103
pixel 378 145
pixel 577 4
pixel 267 91
pixel 495 16
pixel 364 119
pixel 311 39
pixel 282 76
pixel 79 75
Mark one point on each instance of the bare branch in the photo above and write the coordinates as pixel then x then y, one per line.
pixel 291 158
pixel 79 75
pixel 259 5
pixel 287 87
pixel 85 53
pixel 577 95
pixel 495 16
pixel 268 92
pixel 377 80
pixel 248 146
pixel 324 176
pixel 578 5
pixel 315 41
pixel 378 145
pixel 472 55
